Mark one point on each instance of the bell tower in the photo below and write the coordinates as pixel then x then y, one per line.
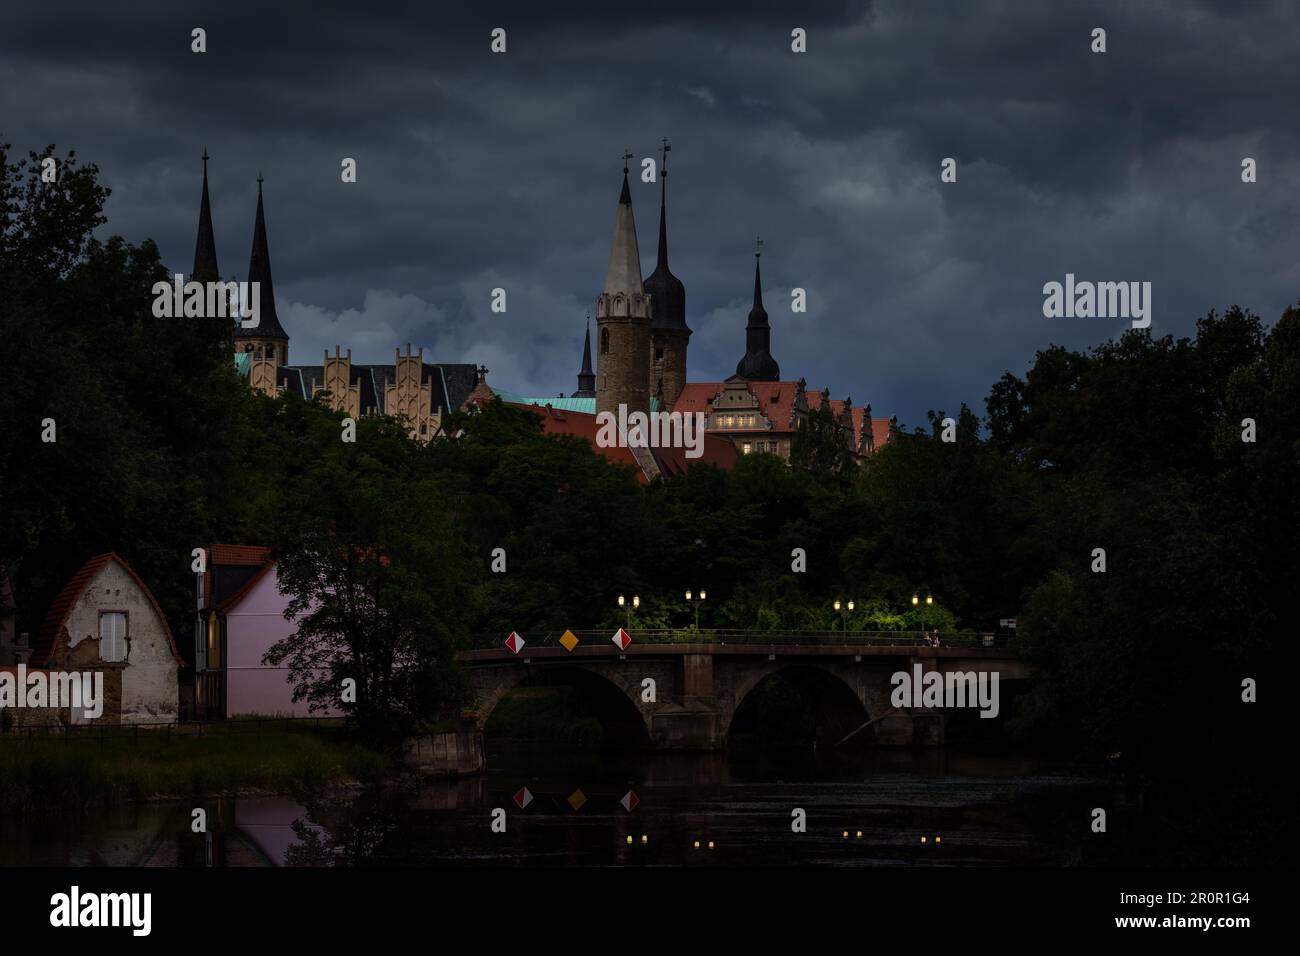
pixel 623 319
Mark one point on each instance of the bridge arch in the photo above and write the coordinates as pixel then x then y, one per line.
pixel 835 702
pixel 606 695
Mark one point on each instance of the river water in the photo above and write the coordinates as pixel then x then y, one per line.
pixel 862 808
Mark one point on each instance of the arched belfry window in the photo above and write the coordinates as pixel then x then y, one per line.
pixel 604 341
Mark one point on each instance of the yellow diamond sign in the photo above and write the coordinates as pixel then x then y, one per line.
pixel 577 799
pixel 569 641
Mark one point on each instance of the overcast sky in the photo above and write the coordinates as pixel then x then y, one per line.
pixel 478 170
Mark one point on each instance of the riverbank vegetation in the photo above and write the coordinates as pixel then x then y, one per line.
pixel 1133 506
pixel 81 771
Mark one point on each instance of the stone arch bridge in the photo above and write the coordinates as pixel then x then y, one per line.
pixel 699 685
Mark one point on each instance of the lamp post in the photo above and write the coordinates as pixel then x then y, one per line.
pixel 928 601
pixel 697 601
pixel 844 614
pixel 624 603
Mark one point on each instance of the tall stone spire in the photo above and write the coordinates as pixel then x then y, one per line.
pixel 586 377
pixel 624 272
pixel 268 338
pixel 205 248
pixel 668 330
pixel 758 364
pixel 623 318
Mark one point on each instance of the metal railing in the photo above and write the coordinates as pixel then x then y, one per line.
pixel 689 635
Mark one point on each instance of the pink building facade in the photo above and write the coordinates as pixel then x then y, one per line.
pixel 232 638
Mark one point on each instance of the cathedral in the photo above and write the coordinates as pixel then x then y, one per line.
pixel 642 343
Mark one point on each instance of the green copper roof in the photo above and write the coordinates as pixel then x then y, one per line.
pixel 586 405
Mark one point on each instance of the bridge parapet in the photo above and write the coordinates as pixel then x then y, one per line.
pixel 588 638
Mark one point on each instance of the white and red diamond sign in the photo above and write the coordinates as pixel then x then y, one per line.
pixel 523 797
pixel 621 639
pixel 630 801
pixel 515 642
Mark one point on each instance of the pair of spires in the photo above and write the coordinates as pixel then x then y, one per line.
pixel 259 263
pixel 667 294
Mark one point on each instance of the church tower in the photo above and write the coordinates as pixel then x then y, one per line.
pixel 623 319
pixel 758 364
pixel 586 377
pixel 205 247
pixel 669 334
pixel 268 340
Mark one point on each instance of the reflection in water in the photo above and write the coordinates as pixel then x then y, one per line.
pixel 984 809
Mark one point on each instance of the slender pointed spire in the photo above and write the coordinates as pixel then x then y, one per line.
pixel 205 248
pixel 667 294
pixel 758 364
pixel 259 271
pixel 586 377
pixel 624 273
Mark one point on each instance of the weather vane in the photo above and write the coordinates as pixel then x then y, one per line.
pixel 758 247
pixel 627 154
pixel 665 151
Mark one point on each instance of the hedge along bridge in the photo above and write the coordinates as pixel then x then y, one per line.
pixel 701 679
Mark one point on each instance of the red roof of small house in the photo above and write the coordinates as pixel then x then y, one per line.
pixel 71 593
pixel 231 555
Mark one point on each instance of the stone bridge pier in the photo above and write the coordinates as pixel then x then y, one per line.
pixel 686 696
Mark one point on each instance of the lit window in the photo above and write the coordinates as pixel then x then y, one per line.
pixel 112 636
pixel 745 448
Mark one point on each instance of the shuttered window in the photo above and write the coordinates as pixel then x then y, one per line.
pixel 112 636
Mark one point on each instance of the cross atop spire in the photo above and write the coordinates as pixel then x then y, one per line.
pixel 663 163
pixel 758 247
pixel 627 154
pixel 205 160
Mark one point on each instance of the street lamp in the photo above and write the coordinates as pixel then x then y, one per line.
pixel 697 601
pixel 622 602
pixel 844 614
pixel 928 601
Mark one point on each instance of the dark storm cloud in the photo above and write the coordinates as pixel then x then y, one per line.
pixel 479 171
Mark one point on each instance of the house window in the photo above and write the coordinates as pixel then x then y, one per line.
pixel 214 641
pixel 604 341
pixel 112 636
pixel 745 448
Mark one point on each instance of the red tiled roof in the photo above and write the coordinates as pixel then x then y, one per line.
pixel 72 591
pixel 555 422
pixel 238 554
pixel 718 450
pixel 880 432
pixel 774 399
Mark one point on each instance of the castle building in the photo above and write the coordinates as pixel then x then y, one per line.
pixel 642 342
pixel 421 392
